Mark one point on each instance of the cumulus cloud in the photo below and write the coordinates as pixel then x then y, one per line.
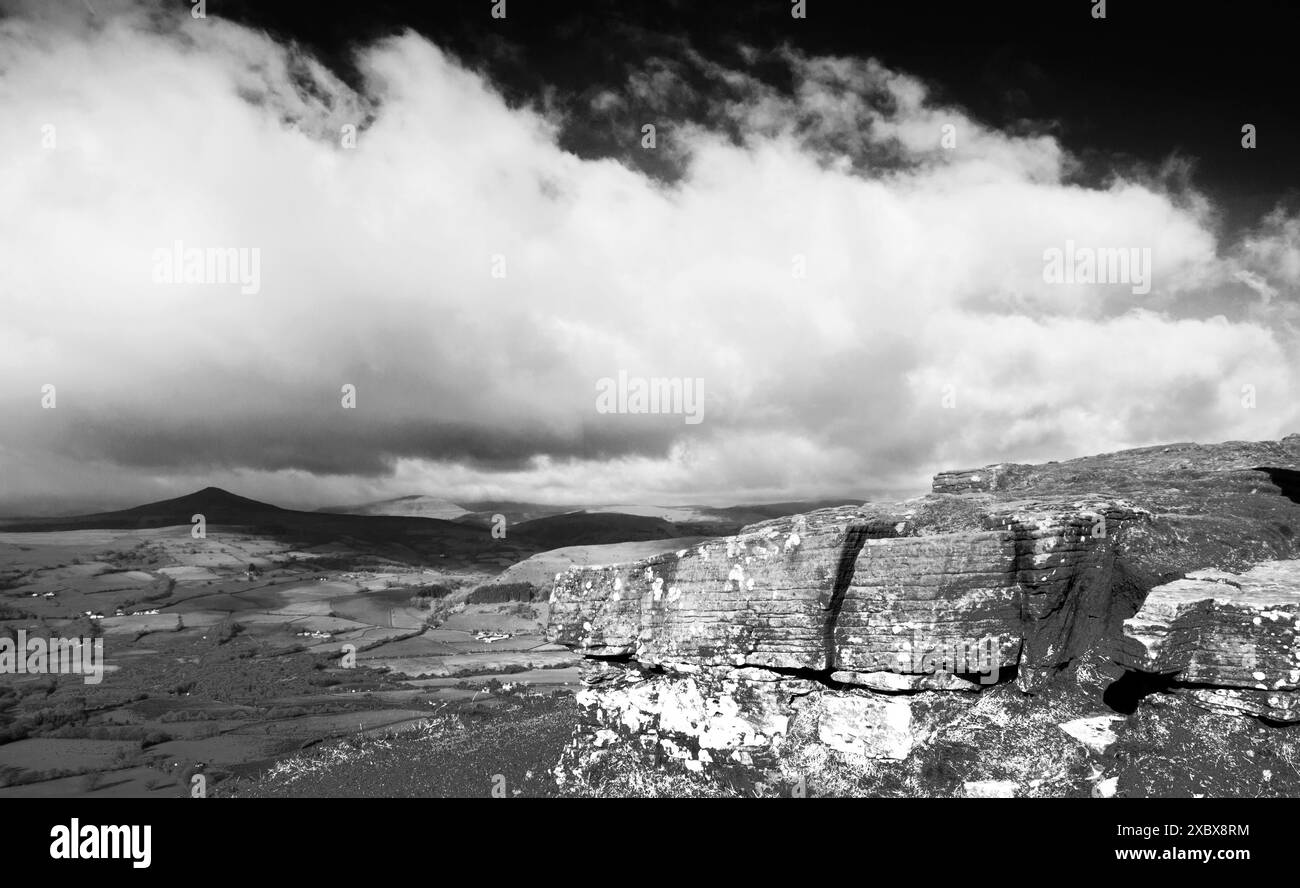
pixel 865 304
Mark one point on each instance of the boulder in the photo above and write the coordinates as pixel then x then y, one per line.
pixel 1096 733
pixel 1235 637
pixel 866 725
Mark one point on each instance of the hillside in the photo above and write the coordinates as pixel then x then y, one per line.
pixel 591 529
pixel 414 506
pixel 400 538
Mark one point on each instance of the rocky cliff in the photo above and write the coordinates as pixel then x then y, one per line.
pixel 984 635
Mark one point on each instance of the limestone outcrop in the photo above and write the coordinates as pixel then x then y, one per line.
pixel 1233 640
pixel 852 627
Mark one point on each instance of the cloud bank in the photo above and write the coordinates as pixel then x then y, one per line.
pixel 855 272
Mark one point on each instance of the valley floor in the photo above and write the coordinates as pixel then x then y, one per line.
pixel 226 655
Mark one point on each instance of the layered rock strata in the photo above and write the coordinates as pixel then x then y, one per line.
pixel 1160 560
pixel 1232 640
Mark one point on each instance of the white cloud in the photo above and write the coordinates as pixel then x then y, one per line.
pixel 923 268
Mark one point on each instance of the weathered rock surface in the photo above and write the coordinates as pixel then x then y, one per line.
pixel 1235 638
pixel 990 789
pixel 1097 733
pixel 761 598
pixel 867 725
pixel 973 588
pixel 833 625
pixel 693 718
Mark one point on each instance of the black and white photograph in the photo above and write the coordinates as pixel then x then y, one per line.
pixel 513 399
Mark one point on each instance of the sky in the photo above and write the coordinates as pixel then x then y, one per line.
pixel 838 238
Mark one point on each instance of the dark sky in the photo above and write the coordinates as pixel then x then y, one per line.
pixel 1155 78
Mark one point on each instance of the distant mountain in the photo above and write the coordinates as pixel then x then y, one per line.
pixel 675 514
pixel 401 538
pixel 216 505
pixel 690 519
pixel 591 529
pixel 482 512
pixel 414 506
pixel 721 520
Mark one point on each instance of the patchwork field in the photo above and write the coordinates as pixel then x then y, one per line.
pixel 226 655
